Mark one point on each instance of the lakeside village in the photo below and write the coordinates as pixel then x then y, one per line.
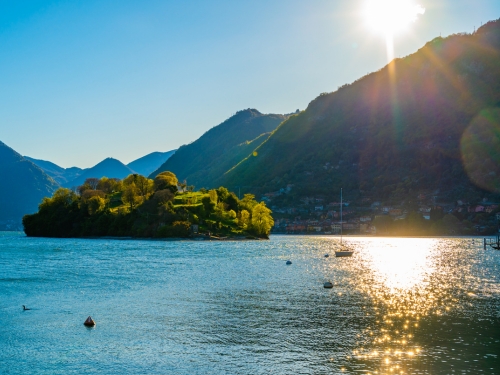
pixel 426 216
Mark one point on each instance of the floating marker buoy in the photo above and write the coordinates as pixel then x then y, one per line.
pixel 89 322
pixel 326 255
pixel 288 262
pixel 328 285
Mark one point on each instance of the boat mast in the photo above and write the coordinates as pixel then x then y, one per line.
pixel 341 216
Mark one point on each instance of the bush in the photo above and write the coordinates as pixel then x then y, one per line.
pixel 177 229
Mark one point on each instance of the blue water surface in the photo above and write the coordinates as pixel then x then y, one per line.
pixel 405 306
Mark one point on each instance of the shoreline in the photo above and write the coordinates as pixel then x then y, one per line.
pixel 215 238
pixel 129 238
pixel 244 238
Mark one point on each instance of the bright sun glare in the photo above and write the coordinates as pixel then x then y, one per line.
pixel 391 16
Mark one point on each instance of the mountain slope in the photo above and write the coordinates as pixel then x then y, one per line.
pixel 109 167
pixel 24 185
pixel 207 158
pixel 59 174
pixel 419 123
pixel 150 162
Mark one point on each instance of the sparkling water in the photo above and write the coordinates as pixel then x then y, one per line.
pixel 397 306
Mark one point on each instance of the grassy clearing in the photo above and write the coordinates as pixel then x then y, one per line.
pixel 188 199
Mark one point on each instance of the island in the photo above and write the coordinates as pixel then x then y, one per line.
pixel 140 207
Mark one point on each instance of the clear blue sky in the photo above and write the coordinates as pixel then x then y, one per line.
pixel 84 80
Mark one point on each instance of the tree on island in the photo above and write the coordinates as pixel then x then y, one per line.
pixel 166 180
pixel 262 221
pixel 130 195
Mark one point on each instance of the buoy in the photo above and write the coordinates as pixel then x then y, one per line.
pixel 25 308
pixel 328 285
pixel 288 262
pixel 89 322
pixel 326 255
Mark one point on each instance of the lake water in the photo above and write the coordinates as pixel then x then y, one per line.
pixel 398 306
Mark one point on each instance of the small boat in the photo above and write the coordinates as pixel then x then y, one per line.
pixel 328 285
pixel 344 251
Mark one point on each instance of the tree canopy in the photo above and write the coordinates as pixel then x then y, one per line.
pixel 140 207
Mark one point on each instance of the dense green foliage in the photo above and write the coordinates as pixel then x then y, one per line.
pixel 140 207
pixel 23 187
pixel 428 121
pixel 220 148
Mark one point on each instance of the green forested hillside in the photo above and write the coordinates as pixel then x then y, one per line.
pixel 428 121
pixel 23 187
pixel 202 162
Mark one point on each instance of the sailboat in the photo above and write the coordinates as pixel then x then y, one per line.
pixel 345 251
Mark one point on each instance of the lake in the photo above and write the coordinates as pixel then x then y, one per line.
pixel 398 306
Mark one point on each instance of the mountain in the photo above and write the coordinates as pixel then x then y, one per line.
pixel 427 122
pixel 24 185
pixel 65 176
pixel 219 149
pixel 61 175
pixel 150 162
pixel 109 167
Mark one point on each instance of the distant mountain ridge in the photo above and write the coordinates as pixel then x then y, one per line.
pixel 70 177
pixel 24 185
pixel 203 161
pixel 60 175
pixel 428 121
pixel 109 167
pixel 150 162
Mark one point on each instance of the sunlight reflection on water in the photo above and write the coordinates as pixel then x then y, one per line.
pixel 408 280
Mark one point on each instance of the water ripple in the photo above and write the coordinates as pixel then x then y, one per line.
pixel 398 306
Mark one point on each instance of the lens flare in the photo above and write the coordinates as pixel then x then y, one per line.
pixel 480 148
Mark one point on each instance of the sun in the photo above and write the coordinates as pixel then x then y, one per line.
pixel 391 16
